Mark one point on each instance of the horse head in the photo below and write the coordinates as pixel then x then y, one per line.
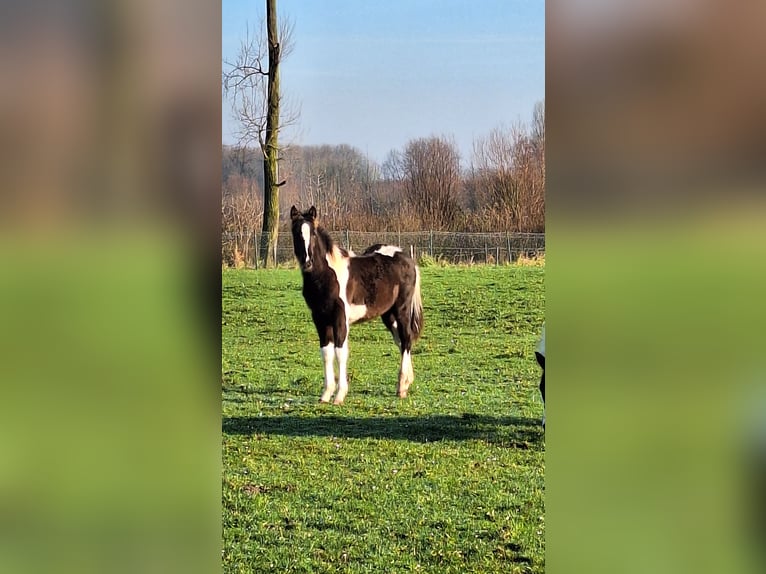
pixel 304 236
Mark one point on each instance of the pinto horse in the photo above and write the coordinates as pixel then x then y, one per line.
pixel 341 288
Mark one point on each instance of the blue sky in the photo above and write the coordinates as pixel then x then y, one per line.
pixel 375 74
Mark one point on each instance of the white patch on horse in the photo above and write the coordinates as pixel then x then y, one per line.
pixel 356 312
pixel 389 250
pixel 328 356
pixel 339 264
pixel 306 233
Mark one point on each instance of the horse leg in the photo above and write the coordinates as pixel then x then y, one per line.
pixel 327 348
pixel 406 375
pixel 405 371
pixel 389 320
pixel 341 353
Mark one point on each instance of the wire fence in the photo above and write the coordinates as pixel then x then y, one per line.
pixel 454 247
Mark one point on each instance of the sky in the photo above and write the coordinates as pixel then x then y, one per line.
pixel 376 74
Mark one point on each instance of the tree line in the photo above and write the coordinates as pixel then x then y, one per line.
pixel 426 185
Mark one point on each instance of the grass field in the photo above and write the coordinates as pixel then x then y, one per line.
pixel 450 479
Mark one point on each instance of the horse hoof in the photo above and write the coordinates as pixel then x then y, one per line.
pixel 337 402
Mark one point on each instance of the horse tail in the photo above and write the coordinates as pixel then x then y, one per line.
pixel 416 308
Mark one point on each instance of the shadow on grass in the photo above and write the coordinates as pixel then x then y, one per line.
pixel 514 432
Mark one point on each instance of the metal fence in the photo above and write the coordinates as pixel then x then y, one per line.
pixel 454 247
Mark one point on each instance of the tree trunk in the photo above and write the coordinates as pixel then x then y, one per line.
pixel 270 146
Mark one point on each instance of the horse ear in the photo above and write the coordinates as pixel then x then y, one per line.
pixel 312 213
pixel 294 213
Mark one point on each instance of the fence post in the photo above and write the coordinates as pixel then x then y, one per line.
pixel 508 242
pixel 348 243
pixel 497 259
pixel 431 243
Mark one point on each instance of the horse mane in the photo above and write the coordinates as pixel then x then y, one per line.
pixel 327 241
pixel 324 236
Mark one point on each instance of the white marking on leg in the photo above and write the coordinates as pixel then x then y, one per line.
pixel 341 353
pixel 306 233
pixel 410 373
pixel 388 250
pixel 405 374
pixel 328 356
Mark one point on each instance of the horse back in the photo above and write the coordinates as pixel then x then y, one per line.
pixel 376 280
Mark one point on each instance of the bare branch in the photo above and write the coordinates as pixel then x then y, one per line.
pixel 286 30
pixel 245 84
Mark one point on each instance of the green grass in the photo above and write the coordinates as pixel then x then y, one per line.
pixel 450 479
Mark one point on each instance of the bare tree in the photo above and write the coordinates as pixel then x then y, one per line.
pixel 241 212
pixel 337 179
pixel 370 188
pixel 392 168
pixel 253 82
pixel 508 175
pixel 430 168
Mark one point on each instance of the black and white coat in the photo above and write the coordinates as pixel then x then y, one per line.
pixel 341 288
